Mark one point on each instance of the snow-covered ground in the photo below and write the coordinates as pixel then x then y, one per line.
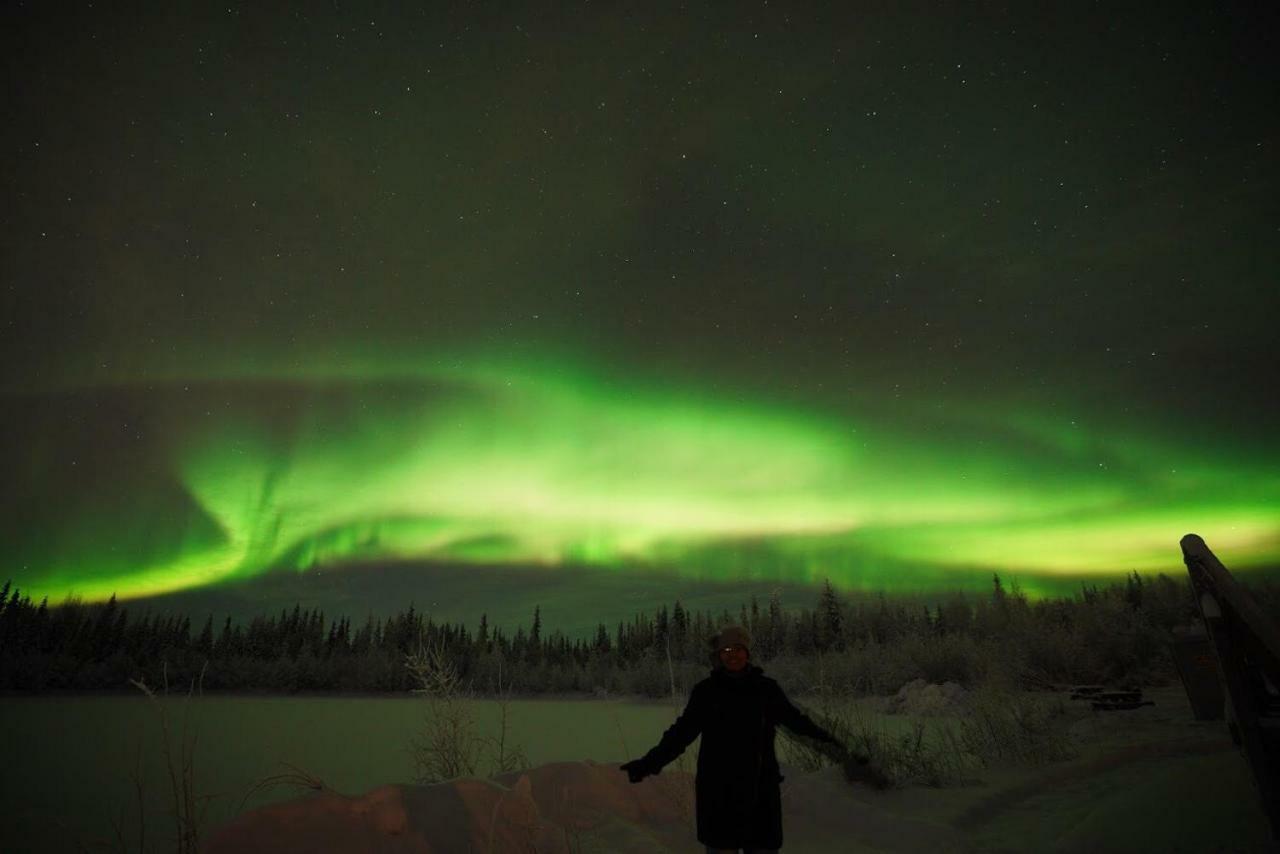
pixel 1149 779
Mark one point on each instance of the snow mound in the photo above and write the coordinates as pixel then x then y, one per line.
pixel 557 808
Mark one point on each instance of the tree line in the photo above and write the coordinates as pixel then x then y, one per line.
pixel 874 643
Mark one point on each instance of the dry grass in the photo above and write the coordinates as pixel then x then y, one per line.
pixel 998 726
pixel 189 808
pixel 292 776
pixel 1006 725
pixel 1000 723
pixel 178 748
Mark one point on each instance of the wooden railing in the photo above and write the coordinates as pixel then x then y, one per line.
pixel 1246 644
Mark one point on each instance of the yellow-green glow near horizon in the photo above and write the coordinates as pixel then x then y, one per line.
pixel 547 467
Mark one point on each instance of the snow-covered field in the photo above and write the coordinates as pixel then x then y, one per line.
pixel 1150 779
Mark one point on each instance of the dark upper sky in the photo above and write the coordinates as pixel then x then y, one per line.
pixel 991 197
pixel 1064 207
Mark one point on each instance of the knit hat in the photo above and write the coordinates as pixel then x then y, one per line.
pixel 731 635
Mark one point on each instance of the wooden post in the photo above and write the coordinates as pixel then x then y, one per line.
pixel 1247 648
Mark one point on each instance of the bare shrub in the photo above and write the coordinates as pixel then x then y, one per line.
pixel 998 722
pixel 804 753
pixel 879 668
pixel 1013 726
pixel 448 745
pixel 926 754
pixel 940 659
pixel 833 713
pixel 504 756
pixel 188 807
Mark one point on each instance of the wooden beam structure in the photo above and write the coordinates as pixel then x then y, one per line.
pixel 1246 646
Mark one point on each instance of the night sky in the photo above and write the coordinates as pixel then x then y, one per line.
pixel 891 294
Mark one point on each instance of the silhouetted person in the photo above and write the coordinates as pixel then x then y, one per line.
pixel 736 709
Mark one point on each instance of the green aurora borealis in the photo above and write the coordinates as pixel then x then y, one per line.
pixel 551 468
pixel 779 298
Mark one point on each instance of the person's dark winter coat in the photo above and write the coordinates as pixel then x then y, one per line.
pixel 739 802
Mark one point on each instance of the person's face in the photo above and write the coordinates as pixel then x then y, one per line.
pixel 734 657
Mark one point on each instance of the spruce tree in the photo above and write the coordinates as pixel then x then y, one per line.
pixel 829 618
pixel 205 644
pixel 679 631
pixel 776 626
pixel 1133 590
pixel 519 644
pixel 535 636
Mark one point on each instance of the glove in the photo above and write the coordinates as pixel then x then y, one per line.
pixel 834 750
pixel 859 769
pixel 638 769
pixel 837 752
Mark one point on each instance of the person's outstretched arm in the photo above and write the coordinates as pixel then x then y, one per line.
pixel 673 742
pixel 856 766
pixel 797 721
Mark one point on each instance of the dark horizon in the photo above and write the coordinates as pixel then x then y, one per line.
pixel 564 598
